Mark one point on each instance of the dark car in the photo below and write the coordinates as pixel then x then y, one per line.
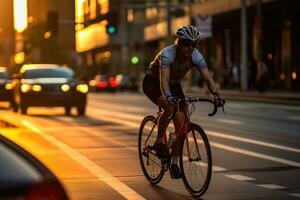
pixel 125 82
pixel 49 85
pixel 6 92
pixel 103 83
pixel 22 176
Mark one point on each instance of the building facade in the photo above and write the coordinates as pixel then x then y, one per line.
pixel 272 37
pixel 6 34
pixel 145 27
pixel 48 35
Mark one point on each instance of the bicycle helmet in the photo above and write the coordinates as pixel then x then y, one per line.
pixel 188 32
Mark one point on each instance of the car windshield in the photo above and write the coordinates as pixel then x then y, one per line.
pixel 4 75
pixel 14 169
pixel 48 73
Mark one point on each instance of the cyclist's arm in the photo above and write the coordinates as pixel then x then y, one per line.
pixel 164 80
pixel 208 80
pixel 201 65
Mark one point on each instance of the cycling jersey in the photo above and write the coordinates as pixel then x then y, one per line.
pixel 179 66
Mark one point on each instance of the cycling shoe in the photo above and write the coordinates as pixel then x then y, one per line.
pixel 161 150
pixel 175 171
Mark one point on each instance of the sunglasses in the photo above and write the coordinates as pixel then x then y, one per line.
pixel 187 43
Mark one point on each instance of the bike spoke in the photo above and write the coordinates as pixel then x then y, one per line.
pixel 151 164
pixel 196 163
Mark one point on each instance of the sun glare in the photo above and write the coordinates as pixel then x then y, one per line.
pixel 20 15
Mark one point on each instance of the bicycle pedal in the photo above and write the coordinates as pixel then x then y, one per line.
pixel 175 172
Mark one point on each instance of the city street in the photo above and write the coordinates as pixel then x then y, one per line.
pixel 255 148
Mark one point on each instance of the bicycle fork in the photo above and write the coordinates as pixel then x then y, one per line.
pixel 198 157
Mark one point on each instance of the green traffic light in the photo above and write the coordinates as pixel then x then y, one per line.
pixel 111 30
pixel 135 60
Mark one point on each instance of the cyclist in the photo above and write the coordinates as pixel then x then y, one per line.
pixel 161 84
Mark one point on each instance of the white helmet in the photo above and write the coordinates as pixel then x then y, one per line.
pixel 188 33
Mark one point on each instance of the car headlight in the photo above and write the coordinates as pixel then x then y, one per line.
pixel 92 83
pixel 8 86
pixel 65 87
pixel 25 88
pixel 36 88
pixel 83 88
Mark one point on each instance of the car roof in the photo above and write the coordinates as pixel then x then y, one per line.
pixel 40 66
pixel 3 69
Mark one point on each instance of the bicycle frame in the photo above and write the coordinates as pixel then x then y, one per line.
pixel 155 167
pixel 183 129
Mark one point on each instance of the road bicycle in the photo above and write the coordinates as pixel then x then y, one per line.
pixel 195 159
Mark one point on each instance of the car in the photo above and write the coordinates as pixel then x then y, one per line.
pixel 22 176
pixel 6 92
pixel 103 83
pixel 49 85
pixel 126 82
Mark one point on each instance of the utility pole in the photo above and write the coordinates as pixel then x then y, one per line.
pixel 244 59
pixel 258 30
pixel 124 42
pixel 169 21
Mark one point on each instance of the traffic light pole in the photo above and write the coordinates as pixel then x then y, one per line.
pixel 244 59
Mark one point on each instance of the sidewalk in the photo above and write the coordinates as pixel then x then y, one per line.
pixel 279 97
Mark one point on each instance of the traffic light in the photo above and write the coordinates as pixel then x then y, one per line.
pixel 52 22
pixel 135 60
pixel 112 22
pixel 111 29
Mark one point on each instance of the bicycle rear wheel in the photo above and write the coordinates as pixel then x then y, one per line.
pixel 150 163
pixel 196 171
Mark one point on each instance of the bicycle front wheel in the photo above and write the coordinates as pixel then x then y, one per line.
pixel 195 161
pixel 150 163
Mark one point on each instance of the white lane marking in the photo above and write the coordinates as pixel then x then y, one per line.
pixel 272 186
pixel 240 177
pixel 67 119
pixel 295 117
pixel 95 133
pixel 118 107
pixel 218 169
pixel 213 133
pixel 203 164
pixel 217 134
pixel 108 117
pixel 295 194
pixel 229 121
pixel 112 116
pixel 92 167
pixel 255 154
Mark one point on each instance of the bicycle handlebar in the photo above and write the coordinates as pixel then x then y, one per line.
pixel 197 99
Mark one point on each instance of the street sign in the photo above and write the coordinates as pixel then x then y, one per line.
pixel 204 25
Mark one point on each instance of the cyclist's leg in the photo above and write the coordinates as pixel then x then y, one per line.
pixel 164 119
pixel 178 119
pixel 152 90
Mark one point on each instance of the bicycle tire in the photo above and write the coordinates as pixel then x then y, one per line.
pixel 153 170
pixel 187 174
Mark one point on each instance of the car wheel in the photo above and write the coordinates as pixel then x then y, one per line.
pixel 81 110
pixel 23 110
pixel 68 110
pixel 14 107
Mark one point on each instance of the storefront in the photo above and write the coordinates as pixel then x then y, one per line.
pixel 279 35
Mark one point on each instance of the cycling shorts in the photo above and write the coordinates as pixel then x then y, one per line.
pixel 151 88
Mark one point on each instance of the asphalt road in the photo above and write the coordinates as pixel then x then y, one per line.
pixel 255 148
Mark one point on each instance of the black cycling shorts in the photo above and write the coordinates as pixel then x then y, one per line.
pixel 151 88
